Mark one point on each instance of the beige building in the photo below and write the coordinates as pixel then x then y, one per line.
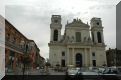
pixel 82 45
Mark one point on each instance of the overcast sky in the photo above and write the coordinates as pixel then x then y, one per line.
pixel 32 17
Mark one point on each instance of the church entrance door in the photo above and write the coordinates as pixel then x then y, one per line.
pixel 78 60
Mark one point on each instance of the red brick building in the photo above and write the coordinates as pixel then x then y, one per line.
pixel 33 52
pixel 16 46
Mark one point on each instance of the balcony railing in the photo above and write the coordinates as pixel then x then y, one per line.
pixel 14 46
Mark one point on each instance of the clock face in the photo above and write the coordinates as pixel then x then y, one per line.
pixel 56 21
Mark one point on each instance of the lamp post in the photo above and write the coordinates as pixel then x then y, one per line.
pixel 24 47
pixel 115 57
pixel 26 59
pixel 11 59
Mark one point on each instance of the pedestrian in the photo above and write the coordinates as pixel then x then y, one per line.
pixel 23 70
pixel 66 70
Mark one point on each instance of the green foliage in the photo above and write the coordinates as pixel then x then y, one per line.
pixel 47 64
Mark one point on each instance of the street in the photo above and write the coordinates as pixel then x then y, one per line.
pixel 41 74
pixel 37 72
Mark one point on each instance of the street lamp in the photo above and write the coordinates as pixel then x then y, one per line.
pixel 26 47
pixel 23 46
pixel 115 56
pixel 11 61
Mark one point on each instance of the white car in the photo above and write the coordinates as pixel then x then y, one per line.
pixel 88 73
pixel 37 68
pixel 73 71
pixel 110 71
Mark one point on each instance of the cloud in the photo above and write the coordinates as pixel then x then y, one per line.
pixel 98 7
pixel 34 20
pixel 105 1
pixel 2 7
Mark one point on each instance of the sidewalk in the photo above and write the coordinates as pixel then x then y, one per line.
pixel 27 72
pixel 36 72
pixel 52 72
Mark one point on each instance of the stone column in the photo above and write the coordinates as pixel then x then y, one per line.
pixel 90 55
pixel 73 57
pixel 59 34
pixel 95 37
pixel 102 36
pixel 51 36
pixel 83 58
pixel 68 62
pixel 85 55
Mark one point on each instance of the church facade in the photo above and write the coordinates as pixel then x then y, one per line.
pixel 81 45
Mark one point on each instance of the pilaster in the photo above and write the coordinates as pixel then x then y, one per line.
pixel 73 57
pixel 102 37
pixel 51 37
pixel 90 55
pixel 85 55
pixel 68 62
pixel 95 36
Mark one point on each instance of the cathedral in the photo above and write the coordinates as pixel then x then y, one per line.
pixel 81 45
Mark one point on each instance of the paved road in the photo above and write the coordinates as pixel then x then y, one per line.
pixel 37 72
pixel 50 76
pixel 52 72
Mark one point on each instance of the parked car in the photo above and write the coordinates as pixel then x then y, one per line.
pixel 110 71
pixel 119 70
pixel 38 68
pixel 86 75
pixel 73 71
pixel 101 70
pixel 110 74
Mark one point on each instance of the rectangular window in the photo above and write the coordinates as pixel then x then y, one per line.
pixel 63 63
pixel 94 62
pixel 63 53
pixel 78 36
pixel 93 54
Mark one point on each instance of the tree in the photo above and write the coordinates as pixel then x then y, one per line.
pixel 47 64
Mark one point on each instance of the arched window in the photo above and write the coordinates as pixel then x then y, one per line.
pixel 99 37
pixel 55 37
pixel 78 36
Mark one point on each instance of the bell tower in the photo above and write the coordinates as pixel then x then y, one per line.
pixel 55 27
pixel 97 30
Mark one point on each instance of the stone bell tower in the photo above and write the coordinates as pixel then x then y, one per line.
pixel 55 27
pixel 97 30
